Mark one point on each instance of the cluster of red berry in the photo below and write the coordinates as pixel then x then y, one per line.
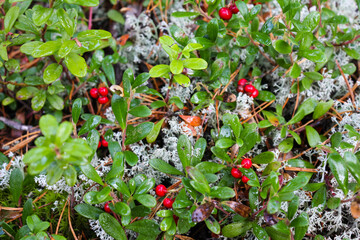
pixel 226 13
pixel 236 173
pixel 103 143
pixel 100 94
pixel 161 190
pixel 244 86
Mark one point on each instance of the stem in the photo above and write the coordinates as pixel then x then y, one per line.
pixel 168 91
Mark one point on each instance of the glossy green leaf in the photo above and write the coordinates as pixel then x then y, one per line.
pixel 164 167
pixel 184 150
pixel 140 111
pixel 76 110
pixel 282 46
pixel 145 226
pixel 135 134
pixel 91 173
pixel 264 158
pixel 353 165
pixel 76 64
pixel 279 231
pixel 90 124
pixel 46 49
pixel 286 145
pixel 159 71
pixel 235 229
pixel 115 16
pixel 213 225
pixel 338 168
pixel 10 18
pixel 222 192
pixel 322 108
pixel 155 131
pixel 16 184
pixel 52 73
pixel 41 15
pixel 182 79
pixel 313 136
pixel 111 226
pixel 88 211
pixel 146 199
pixel 195 63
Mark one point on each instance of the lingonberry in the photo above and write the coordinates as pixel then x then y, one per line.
pixel 103 100
pixel 103 91
pixel 255 93
pixel 94 93
pixel 236 173
pixel 225 13
pixel 99 145
pixel 245 179
pixel 249 88
pixel 240 88
pixel 246 163
pixel 233 8
pixel 168 202
pixel 107 208
pixel 160 190
pixel 104 143
pixel 242 82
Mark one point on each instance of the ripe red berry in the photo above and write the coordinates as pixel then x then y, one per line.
pixel 233 8
pixel 107 208
pixel 225 13
pixel 245 179
pixel 103 100
pixel 94 93
pixel 255 93
pixel 168 202
pixel 104 143
pixel 236 173
pixel 242 82
pixel 176 219
pixel 249 88
pixel 160 190
pixel 103 91
pixel 240 88
pixel 99 145
pixel 246 163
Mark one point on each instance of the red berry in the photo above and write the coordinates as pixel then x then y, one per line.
pixel 104 143
pixel 240 88
pixel 245 179
pixel 160 190
pixel 103 100
pixel 236 173
pixel 176 219
pixel 225 13
pixel 255 93
pixel 107 208
pixel 249 88
pixel 103 91
pixel 99 145
pixel 233 8
pixel 94 93
pixel 242 82
pixel 246 163
pixel 168 202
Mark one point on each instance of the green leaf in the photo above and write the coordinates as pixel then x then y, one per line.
pixel 26 93
pixel 120 186
pixel 16 184
pixel 160 71
pixel 338 168
pixel 264 158
pixel 213 225
pixel 322 108
pixel 293 185
pixel 295 71
pixel 41 15
pixel 76 64
pixel 199 150
pixel 319 198
pixel 312 136
pixel 254 180
pixel 135 134
pixel 90 124
pixel 111 226
pixel 176 66
pixel 52 73
pixel 222 192
pixel 122 208
pixel 279 231
pixel 115 16
pixel 88 211
pixel 293 207
pixel 119 107
pixel 140 79
pixel 90 172
pixel 259 232
pixel 179 35
pixel 76 110
pixel 224 143
pixel 286 145
pixel 10 18
pixel 185 14
pixel 182 79
pixel 131 158
pixel 146 199
pixel 353 165
pixel 48 125
pixel 155 131
pixel 63 133
pixel 333 203
pixel 146 227
pixel 349 68
pixel 314 55
pixel 66 48
pixel 166 223
pixel 195 63
pixel 108 68
pixel 46 49
pixel 235 229
pixel 66 22
pixel 210 167
pixel 273 205
pixel 314 76
pixel 262 38
pixel 266 96
pixel 70 175
pixel 282 47
pixel 352 52
pixel 184 150
pixel 140 111
pixel 164 167
pixel 55 101
pixel 220 153
pixel 312 20
pixel 213 29
pixel 295 136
